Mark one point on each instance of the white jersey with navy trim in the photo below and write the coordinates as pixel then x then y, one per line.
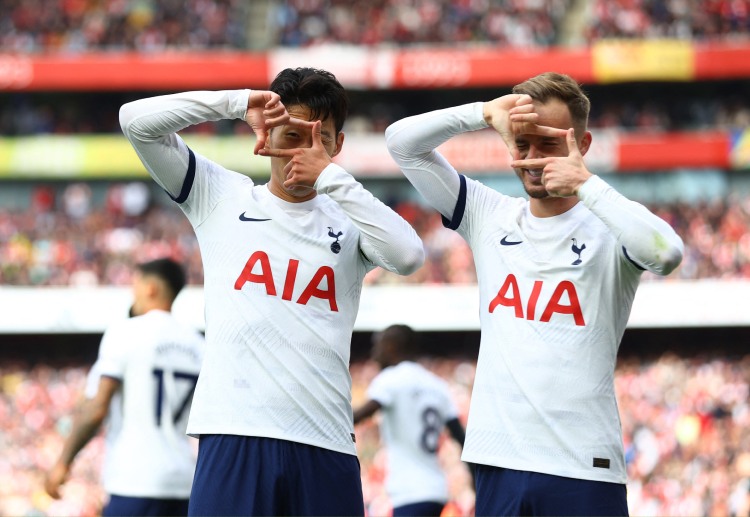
pixel 157 359
pixel 415 406
pixel 282 280
pixel 546 286
pixel 555 297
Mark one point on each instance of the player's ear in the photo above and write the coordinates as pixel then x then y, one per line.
pixel 585 143
pixel 339 143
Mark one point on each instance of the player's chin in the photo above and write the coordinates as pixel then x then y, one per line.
pixel 300 191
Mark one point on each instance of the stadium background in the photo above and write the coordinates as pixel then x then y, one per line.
pixel 670 88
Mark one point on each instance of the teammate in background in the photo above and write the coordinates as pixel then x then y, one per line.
pixel 557 275
pixel 284 265
pixel 143 380
pixel 416 407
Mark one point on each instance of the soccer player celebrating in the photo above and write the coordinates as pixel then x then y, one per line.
pixel 557 275
pixel 284 264
pixel 143 380
pixel 416 407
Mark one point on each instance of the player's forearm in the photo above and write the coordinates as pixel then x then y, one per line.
pixel 412 143
pixel 151 125
pixel 149 119
pixel 386 238
pixel 85 426
pixel 649 240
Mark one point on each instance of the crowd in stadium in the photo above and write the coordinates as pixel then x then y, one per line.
pixel 686 423
pixel 683 19
pixel 33 26
pixel 75 26
pixel 65 238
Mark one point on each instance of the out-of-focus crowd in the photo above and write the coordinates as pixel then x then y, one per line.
pixel 686 424
pixel 72 26
pixel 30 26
pixel 701 20
pixel 515 23
pixel 65 238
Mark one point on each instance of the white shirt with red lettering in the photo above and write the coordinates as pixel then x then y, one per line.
pixel 282 280
pixel 555 297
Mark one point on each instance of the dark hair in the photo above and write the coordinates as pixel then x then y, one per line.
pixel 551 85
pixel 316 89
pixel 166 269
pixel 404 337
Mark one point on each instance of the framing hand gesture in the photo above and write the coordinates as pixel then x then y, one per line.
pixel 562 176
pixel 512 115
pixel 305 164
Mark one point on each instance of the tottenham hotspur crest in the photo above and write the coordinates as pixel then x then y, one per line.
pixel 335 246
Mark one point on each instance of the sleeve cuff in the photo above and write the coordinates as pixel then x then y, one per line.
pixel 328 177
pixel 238 103
pixel 592 189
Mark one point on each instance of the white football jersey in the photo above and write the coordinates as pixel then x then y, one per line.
pixel 282 286
pixel 282 280
pixel 415 405
pixel 158 360
pixel 555 296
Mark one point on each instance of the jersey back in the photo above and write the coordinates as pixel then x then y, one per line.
pixel 415 406
pixel 157 359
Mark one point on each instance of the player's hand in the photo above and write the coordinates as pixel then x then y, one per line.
pixel 305 164
pixel 512 115
pixel 264 111
pixel 54 480
pixel 562 176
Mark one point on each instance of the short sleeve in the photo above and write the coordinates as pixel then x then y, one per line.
pixel 381 388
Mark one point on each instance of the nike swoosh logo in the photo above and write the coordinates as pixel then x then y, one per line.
pixel 243 218
pixel 506 242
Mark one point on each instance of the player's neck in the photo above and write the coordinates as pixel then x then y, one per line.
pixel 551 206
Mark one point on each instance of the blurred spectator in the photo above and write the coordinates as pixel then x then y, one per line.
pixel 686 423
pixel 33 26
pixel 44 245
pixel 514 23
pixel 691 20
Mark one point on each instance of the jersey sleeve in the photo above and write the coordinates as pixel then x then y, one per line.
pixel 647 241
pixel 381 388
pixel 412 142
pixel 113 353
pixel 386 239
pixel 151 126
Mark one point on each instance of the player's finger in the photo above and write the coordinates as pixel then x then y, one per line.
pixel 572 144
pixel 317 138
pixel 277 153
pixel 274 99
pixel 524 99
pixel 274 111
pixel 524 108
pixel 531 118
pixel 550 131
pixel 301 123
pixel 278 121
pixel 261 137
pixel 534 163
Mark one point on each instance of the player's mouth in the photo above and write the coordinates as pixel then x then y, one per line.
pixel 534 173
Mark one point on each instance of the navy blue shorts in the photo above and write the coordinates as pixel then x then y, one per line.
pixel 122 506
pixel 517 492
pixel 248 475
pixel 426 509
